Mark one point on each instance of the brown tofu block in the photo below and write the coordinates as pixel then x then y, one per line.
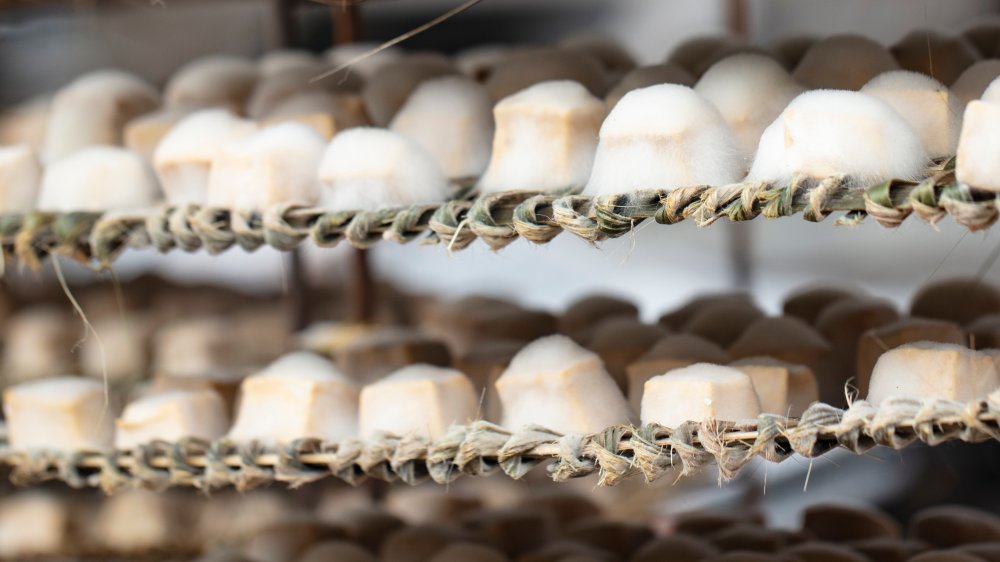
pixel 842 324
pixel 957 300
pixel 228 387
pixel 704 523
pixel 839 523
pixel 381 353
pixel 612 536
pixel 567 550
pixel 371 527
pixel 677 548
pixel 950 526
pixel 669 353
pixel 874 342
pixel 514 531
pixel 678 318
pixel 751 538
pixel 945 556
pixel 418 544
pixel 620 341
pixel 888 550
pixel 585 314
pixel 784 337
pixel 289 539
pixel 341 551
pixel 984 332
pixel 468 551
pixel 723 322
pixel 566 509
pixel 823 552
pixel 807 304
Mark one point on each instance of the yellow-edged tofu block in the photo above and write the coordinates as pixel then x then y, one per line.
pixel 555 123
pixel 418 400
pixel 98 179
pixel 876 341
pixel 171 416
pixel 697 393
pixel 33 524
pixel 58 414
pixel 556 384
pixel 144 133
pixel 299 395
pixel 931 370
pixel 978 145
pixel 20 178
pixel 782 388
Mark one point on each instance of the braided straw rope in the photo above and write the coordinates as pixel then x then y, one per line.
pixel 498 219
pixel 482 448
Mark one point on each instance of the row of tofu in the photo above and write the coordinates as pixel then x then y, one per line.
pixel 547 528
pixel 531 119
pixel 553 382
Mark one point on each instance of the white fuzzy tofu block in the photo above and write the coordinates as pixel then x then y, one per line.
pixel 874 342
pixel 365 169
pixel 20 178
pixel 183 159
pixel 827 133
pixel 750 91
pixel 299 395
pixel 418 400
pixel 271 91
pixel 93 110
pixel 452 119
pixel 277 164
pixel 557 384
pixel 58 414
pixel 931 370
pixel 144 133
pixel 546 137
pixel 171 416
pixel 697 393
pixel 96 179
pixel 783 388
pixel 978 162
pixel 33 524
pixel 972 83
pixel 926 104
pixel 327 113
pixel 843 62
pixel 214 80
pixel 664 136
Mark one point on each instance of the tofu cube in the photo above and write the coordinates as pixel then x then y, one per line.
pixel 33 524
pixel 183 158
pixel 418 400
pixel 699 393
pixel 144 133
pixel 669 353
pixel 620 341
pixel 326 113
pixel 38 342
pixel 555 383
pixel 782 388
pixel 299 395
pixel 978 147
pixel 384 351
pixel 20 178
pixel 98 179
pixel 546 137
pixel 931 370
pixel 171 416
pixel 58 414
pixel 274 165
pixel 583 316
pixel 876 341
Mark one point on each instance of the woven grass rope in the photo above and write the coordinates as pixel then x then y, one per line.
pixel 498 219
pixel 482 448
